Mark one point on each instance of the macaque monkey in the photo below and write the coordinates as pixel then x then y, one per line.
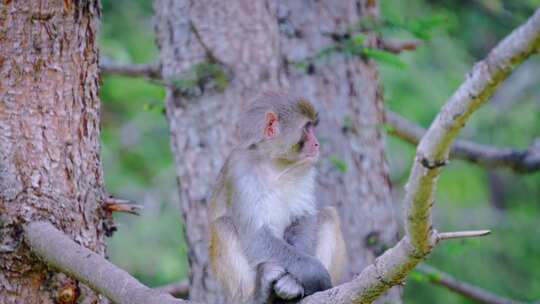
pixel 269 242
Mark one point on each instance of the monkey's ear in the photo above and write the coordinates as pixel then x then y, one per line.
pixel 271 128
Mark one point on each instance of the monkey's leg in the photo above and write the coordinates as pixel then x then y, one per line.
pixel 229 263
pixel 330 245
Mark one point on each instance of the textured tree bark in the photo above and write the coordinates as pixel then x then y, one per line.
pixel 50 166
pixel 255 43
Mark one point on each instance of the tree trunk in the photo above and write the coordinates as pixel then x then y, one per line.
pixel 255 44
pixel 50 167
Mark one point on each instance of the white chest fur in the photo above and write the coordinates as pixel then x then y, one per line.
pixel 274 200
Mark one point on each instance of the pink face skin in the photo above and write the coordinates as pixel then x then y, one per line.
pixel 309 144
pixel 310 149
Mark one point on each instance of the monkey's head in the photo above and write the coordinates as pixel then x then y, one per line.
pixel 281 126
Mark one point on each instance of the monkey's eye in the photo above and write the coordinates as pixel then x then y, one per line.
pixel 300 145
pixel 316 122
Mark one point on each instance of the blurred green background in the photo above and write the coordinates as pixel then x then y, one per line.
pixel 138 162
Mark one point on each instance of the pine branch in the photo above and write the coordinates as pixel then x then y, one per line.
pixel 522 161
pixel 62 253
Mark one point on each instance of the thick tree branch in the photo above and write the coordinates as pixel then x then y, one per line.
pixel 62 253
pixel 472 292
pixel 432 153
pixel 151 70
pixel 522 161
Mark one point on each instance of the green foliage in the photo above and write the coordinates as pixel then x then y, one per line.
pixel 200 75
pixel 347 123
pixel 358 39
pixel 384 57
pixel 318 57
pixel 352 45
pixel 136 155
pixel 420 27
pixel 418 276
pixel 126 33
pixel 388 128
pixel 134 141
pixel 372 240
pixel 151 246
pixel 341 165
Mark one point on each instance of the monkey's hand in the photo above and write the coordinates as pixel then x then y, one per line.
pixel 272 276
pixel 311 274
pixel 275 258
pixel 288 288
pixel 268 273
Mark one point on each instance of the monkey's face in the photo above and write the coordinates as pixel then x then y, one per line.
pixel 308 144
pixel 299 143
pixel 289 132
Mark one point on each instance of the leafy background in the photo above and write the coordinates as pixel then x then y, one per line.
pixel 138 162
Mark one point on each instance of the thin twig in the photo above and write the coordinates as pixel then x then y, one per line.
pixel 113 204
pixel 151 71
pixel 397 46
pixel 472 292
pixel 461 234
pixel 62 253
pixel 522 161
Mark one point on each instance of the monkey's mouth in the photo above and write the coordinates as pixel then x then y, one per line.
pixel 311 156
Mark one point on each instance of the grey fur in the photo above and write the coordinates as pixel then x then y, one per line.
pixel 264 221
pixel 262 246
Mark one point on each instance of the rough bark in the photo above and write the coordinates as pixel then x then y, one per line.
pixel 255 42
pixel 50 166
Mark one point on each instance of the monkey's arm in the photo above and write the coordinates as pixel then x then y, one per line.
pixel 302 234
pixel 263 246
pixel 228 261
pixel 242 282
pixel 320 235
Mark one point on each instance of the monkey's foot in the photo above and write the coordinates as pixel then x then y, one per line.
pixel 288 288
